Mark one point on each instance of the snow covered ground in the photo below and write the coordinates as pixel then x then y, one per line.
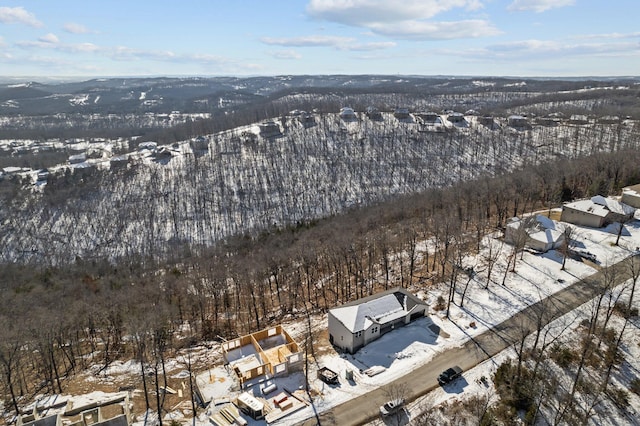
pixel 254 183
pixel 401 350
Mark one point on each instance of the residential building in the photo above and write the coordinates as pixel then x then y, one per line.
pixel 456 118
pixel 347 113
pixel 596 212
pixel 401 113
pixel 517 121
pixel 537 233
pixel 355 324
pixel 631 196
pixel 269 129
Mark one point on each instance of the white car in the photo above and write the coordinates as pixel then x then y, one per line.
pixel 391 407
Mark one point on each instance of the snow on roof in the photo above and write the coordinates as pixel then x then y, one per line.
pixel 545 222
pixel 589 206
pixel 544 229
pixel 547 236
pixel 379 310
pixel 542 223
pixel 632 190
pixel 613 205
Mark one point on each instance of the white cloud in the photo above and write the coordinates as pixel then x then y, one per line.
pixel 74 28
pixel 18 15
pixel 538 5
pixel 536 50
pixel 285 54
pixel 365 47
pixel 608 36
pixel 309 41
pixel 420 30
pixel 411 20
pixel 340 43
pixel 366 12
pixel 35 44
pixel 51 42
pixel 49 38
pixel 49 49
pixel 82 47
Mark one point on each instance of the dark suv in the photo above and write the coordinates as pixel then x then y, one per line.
pixel 449 375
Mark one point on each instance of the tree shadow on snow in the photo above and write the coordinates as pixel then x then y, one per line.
pixel 457 386
pixel 401 418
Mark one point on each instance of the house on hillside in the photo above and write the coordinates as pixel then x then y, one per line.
pixel 267 352
pixel 355 324
pixel 42 175
pixel 537 233
pixel 118 162
pixel 487 121
pixel 596 212
pixel 306 119
pixel 547 121
pixel 200 144
pixel 609 119
pixel 401 113
pixel 78 158
pixel 347 113
pixel 429 122
pixel 428 117
pixel 456 118
pixel 269 129
pixel 631 196
pixel 373 113
pixel 579 119
pixel 517 121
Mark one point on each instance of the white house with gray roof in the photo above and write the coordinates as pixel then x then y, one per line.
pixel 596 212
pixel 355 324
pixel 631 196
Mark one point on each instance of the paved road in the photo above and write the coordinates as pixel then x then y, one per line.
pixel 422 380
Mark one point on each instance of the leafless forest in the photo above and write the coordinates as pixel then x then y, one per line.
pixel 104 264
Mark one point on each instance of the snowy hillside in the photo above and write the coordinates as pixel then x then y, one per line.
pixel 245 183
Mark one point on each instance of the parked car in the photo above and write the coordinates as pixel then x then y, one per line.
pixel 449 375
pixel 588 256
pixel 391 407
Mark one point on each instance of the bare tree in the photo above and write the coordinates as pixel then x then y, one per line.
pixel 395 392
pixel 568 235
pixel 490 256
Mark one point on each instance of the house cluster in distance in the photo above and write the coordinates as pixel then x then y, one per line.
pixel 541 234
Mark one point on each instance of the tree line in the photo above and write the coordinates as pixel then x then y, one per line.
pixel 58 319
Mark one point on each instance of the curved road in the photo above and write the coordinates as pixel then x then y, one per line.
pixel 423 379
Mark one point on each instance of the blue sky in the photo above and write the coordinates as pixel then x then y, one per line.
pixel 271 37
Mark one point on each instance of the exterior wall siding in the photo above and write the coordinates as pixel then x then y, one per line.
pixel 340 336
pixel 581 218
pixel 631 199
